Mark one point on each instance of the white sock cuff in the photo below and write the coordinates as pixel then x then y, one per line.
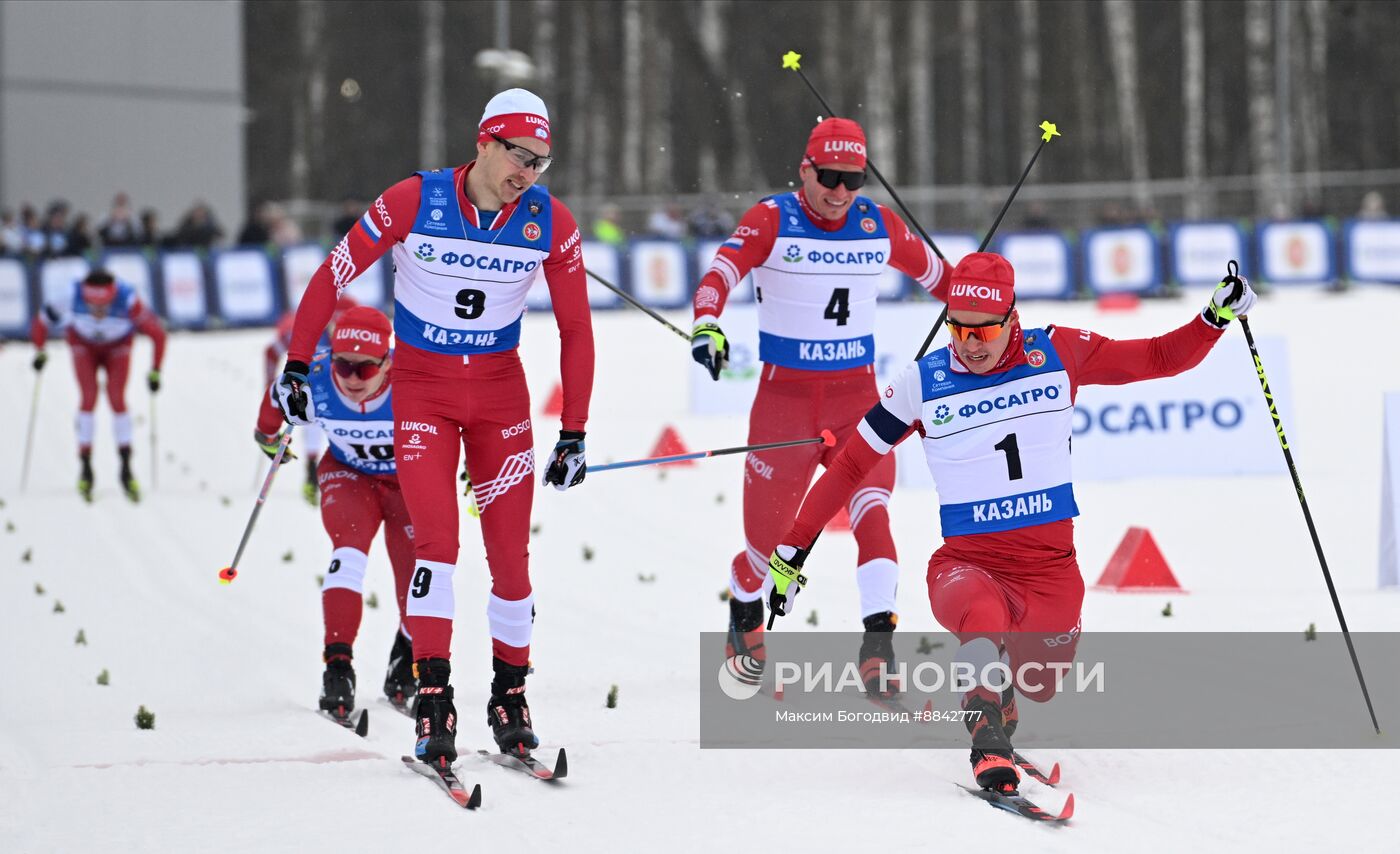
pixel 430 590
pixel 878 581
pixel 512 622
pixel 83 424
pixel 121 428
pixel 346 570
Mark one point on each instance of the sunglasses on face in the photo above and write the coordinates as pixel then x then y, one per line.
pixel 984 332
pixel 830 178
pixel 345 368
pixel 524 157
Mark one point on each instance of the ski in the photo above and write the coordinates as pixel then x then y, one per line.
pixel 1034 771
pixel 356 721
pixel 405 709
pixel 447 780
pixel 1015 802
pixel 530 765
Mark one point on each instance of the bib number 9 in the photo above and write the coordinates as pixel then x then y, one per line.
pixel 470 303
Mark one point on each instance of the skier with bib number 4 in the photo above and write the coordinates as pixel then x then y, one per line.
pixel 467 244
pixel 358 491
pixel 994 411
pixel 817 256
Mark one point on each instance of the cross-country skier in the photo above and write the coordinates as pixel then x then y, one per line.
pixel 467 244
pixel 100 319
pixel 817 256
pixel 359 491
pixel 994 410
pixel 311 440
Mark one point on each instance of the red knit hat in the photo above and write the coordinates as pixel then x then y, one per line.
pixel 837 140
pixel 362 330
pixel 982 281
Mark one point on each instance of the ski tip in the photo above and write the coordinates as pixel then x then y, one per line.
pixel 1055 776
pixel 1068 812
pixel 362 726
pixel 561 766
pixel 475 800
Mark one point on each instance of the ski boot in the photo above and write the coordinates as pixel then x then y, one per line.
pixel 129 484
pixel 1009 715
pixel 85 479
pixel 877 652
pixel 746 631
pixel 434 714
pixel 399 684
pixel 508 713
pixel 338 682
pixel 993 765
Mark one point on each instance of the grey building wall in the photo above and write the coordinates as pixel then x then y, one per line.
pixel 137 95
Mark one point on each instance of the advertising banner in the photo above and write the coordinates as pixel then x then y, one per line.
pixel 1200 251
pixel 14 297
pixel 1121 260
pixel 1296 253
pixel 1042 261
pixel 243 278
pixel 182 282
pixel 1373 250
pixel 133 268
pixel 659 277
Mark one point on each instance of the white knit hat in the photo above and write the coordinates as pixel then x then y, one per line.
pixel 513 113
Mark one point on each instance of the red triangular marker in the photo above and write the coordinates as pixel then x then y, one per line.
pixel 1137 565
pixel 670 444
pixel 555 404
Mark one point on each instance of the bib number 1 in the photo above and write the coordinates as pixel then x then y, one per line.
pixel 1013 456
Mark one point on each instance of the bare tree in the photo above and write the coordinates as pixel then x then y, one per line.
pixel 659 175
pixel 1028 13
pixel 922 135
pixel 1123 54
pixel 1259 43
pixel 432 131
pixel 879 91
pixel 308 112
pixel 1193 88
pixel 717 72
pixel 1312 108
pixel 580 96
pixel 971 91
pixel 543 53
pixel 631 164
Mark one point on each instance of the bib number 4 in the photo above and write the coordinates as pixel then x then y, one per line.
pixel 839 309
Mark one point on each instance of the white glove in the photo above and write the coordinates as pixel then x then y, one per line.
pixel 291 394
pixel 1232 298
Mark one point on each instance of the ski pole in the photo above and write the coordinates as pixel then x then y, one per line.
pixel 827 438
pixel 629 298
pixel 1049 131
pixel 1234 269
pixel 792 60
pixel 230 572
pixel 29 435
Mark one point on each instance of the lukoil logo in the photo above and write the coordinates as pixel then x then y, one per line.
pixel 364 336
pixel 978 291
pixel 425 251
pixel 843 146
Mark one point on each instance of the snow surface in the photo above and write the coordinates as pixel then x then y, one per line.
pixel 237 761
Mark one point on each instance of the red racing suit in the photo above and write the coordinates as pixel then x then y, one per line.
pixel 457 386
pixel 799 397
pixel 1023 578
pixel 100 339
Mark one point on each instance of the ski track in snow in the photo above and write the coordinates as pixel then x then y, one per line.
pixel 239 762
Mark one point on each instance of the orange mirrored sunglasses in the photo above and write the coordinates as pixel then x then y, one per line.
pixel 989 331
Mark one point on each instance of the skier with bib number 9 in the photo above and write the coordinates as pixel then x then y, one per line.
pixel 817 256
pixel 994 410
pixel 358 491
pixel 468 243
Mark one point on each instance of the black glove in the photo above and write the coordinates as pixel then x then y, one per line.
pixel 153 381
pixel 40 359
pixel 566 465
pixel 291 394
pixel 710 348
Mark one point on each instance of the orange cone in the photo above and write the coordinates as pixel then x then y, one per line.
pixel 669 444
pixel 1137 566
pixel 555 404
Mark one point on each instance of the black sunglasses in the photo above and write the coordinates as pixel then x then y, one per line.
pixel 364 370
pixel 829 178
pixel 527 158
